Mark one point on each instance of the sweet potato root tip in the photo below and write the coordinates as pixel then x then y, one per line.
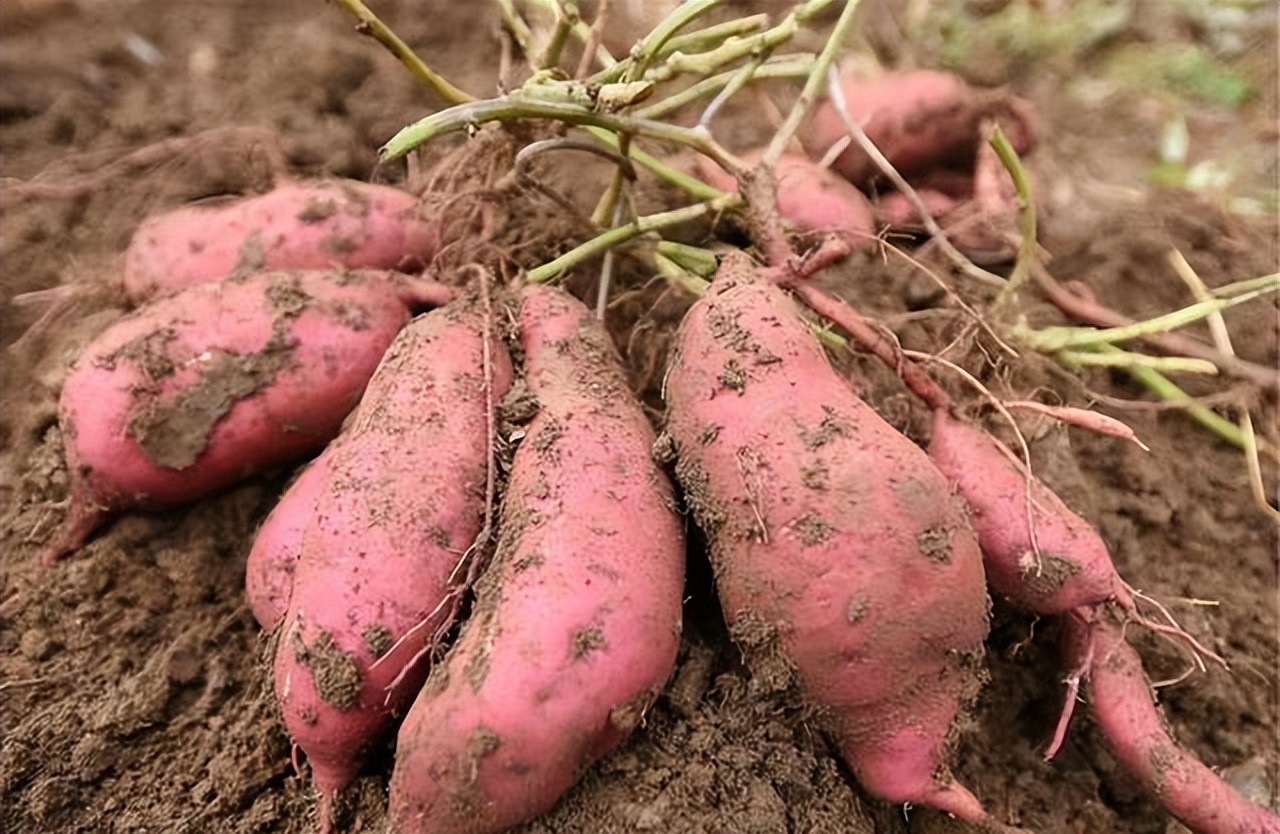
pixel 1122 704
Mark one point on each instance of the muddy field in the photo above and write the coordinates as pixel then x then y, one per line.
pixel 134 686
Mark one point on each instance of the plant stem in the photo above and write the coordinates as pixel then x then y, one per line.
pixel 1116 358
pixel 1161 387
pixel 817 77
pixel 735 49
pixel 784 66
pixel 614 237
pixel 647 50
pixel 516 26
pixel 1027 247
pixel 1054 339
pixel 566 12
pixel 368 23
pixel 517 107
pixel 712 36
pixel 695 187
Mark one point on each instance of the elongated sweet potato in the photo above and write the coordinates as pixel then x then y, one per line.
pixel 305 225
pixel 403 498
pixel 1123 706
pixel 831 532
pixel 1039 554
pixel 919 120
pixel 203 388
pixel 577 620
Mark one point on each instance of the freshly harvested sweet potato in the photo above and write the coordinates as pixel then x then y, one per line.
pixel 811 197
pixel 1039 554
pixel 403 497
pixel 304 225
pixel 268 579
pixel 577 620
pixel 830 534
pixel 1123 706
pixel 919 120
pixel 203 388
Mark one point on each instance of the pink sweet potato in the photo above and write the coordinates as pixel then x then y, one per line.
pixel 919 120
pixel 577 620
pixel 1123 707
pixel 403 498
pixel 811 197
pixel 312 225
pixel 1065 566
pixel 268 579
pixel 206 387
pixel 831 533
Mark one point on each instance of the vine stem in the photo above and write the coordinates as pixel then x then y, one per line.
pixel 812 86
pixel 614 237
pixel 370 24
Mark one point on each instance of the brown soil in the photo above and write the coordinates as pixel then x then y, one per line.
pixel 135 695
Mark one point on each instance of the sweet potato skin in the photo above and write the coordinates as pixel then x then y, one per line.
pixel 304 225
pixel 1073 568
pixel 402 499
pixel 919 120
pixel 277 546
pixel 832 531
pixel 206 387
pixel 577 620
pixel 1122 704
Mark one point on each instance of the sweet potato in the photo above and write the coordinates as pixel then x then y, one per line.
pixel 919 120
pixel 577 619
pixel 403 498
pixel 832 533
pixel 811 197
pixel 269 569
pixel 1123 707
pixel 1065 566
pixel 304 225
pixel 203 388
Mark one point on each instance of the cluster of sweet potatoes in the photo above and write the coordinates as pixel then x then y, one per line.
pixel 282 326
pixel 866 561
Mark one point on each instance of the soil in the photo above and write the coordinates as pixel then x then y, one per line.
pixel 135 694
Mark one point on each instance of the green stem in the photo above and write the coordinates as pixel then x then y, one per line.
pixel 693 186
pixel 516 26
pixel 476 113
pixel 735 49
pixel 1248 285
pixel 1116 358
pixel 1028 246
pixel 699 261
pixel 566 12
pixel 1163 389
pixel 649 47
pixel 579 29
pixel 784 66
pixel 713 36
pixel 817 77
pixel 1054 339
pixel 371 25
pixel 601 243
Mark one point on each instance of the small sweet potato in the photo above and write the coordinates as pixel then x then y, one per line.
pixel 920 120
pixel 203 388
pixel 811 197
pixel 403 498
pixel 305 225
pixel 577 620
pixel 1039 554
pixel 831 535
pixel 1123 707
